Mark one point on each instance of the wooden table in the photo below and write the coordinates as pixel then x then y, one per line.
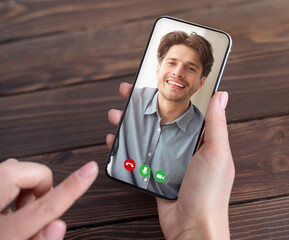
pixel 61 63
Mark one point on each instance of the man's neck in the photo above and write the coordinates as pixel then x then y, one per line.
pixel 170 110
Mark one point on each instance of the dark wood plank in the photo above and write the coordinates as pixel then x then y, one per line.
pixel 53 120
pixel 268 219
pixel 63 60
pixel 259 220
pixel 28 19
pixel 261 155
pixel 258 86
pixel 79 57
pixel 58 119
pixel 260 150
pixel 142 229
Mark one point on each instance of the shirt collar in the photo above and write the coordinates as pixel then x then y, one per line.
pixel 152 105
pixel 182 121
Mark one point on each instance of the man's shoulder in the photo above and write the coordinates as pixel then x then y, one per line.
pixel 197 117
pixel 197 112
pixel 144 94
pixel 145 91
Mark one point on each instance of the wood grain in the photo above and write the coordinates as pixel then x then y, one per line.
pixel 57 119
pixel 142 229
pixel 258 86
pixel 261 155
pixel 26 19
pixel 251 221
pixel 71 58
pixel 77 57
pixel 267 219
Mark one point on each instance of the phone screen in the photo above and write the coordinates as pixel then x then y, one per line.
pixel 162 123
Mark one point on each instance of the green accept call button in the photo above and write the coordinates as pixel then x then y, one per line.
pixel 145 170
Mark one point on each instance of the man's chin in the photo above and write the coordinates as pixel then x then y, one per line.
pixel 173 95
pixel 174 98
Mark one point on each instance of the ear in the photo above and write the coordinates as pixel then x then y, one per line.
pixel 201 83
pixel 158 67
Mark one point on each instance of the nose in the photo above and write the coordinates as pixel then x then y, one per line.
pixel 178 71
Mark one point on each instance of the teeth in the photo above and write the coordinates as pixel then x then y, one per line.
pixel 177 84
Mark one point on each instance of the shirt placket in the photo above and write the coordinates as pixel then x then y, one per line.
pixel 151 150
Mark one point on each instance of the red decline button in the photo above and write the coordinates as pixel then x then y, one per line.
pixel 129 164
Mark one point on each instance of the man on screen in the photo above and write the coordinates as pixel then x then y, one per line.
pixel 161 125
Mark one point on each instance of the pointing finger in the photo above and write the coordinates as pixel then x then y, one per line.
pixel 50 206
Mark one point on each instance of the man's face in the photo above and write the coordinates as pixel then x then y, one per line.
pixel 179 73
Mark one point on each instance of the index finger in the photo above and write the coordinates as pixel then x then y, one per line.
pixel 50 206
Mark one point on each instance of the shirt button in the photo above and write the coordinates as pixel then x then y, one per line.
pixel 159 129
pixel 149 154
pixel 145 179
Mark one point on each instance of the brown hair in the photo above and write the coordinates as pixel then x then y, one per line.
pixel 194 41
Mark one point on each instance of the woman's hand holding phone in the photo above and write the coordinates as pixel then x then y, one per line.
pixel 201 210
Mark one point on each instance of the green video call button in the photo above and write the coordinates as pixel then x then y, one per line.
pixel 160 176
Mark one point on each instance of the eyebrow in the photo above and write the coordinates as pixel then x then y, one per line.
pixel 190 63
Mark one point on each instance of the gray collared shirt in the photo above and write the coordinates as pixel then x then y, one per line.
pixel 167 147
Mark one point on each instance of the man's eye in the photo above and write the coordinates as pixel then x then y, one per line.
pixel 190 69
pixel 171 63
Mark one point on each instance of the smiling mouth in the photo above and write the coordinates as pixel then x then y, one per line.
pixel 175 84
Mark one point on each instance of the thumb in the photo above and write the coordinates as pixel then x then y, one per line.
pixel 215 120
pixel 216 142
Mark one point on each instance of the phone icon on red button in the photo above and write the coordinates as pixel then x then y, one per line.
pixel 129 164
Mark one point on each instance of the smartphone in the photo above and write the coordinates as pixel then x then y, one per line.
pixel 163 120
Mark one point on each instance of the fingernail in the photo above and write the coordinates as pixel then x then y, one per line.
pixel 88 170
pixel 55 231
pixel 223 99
